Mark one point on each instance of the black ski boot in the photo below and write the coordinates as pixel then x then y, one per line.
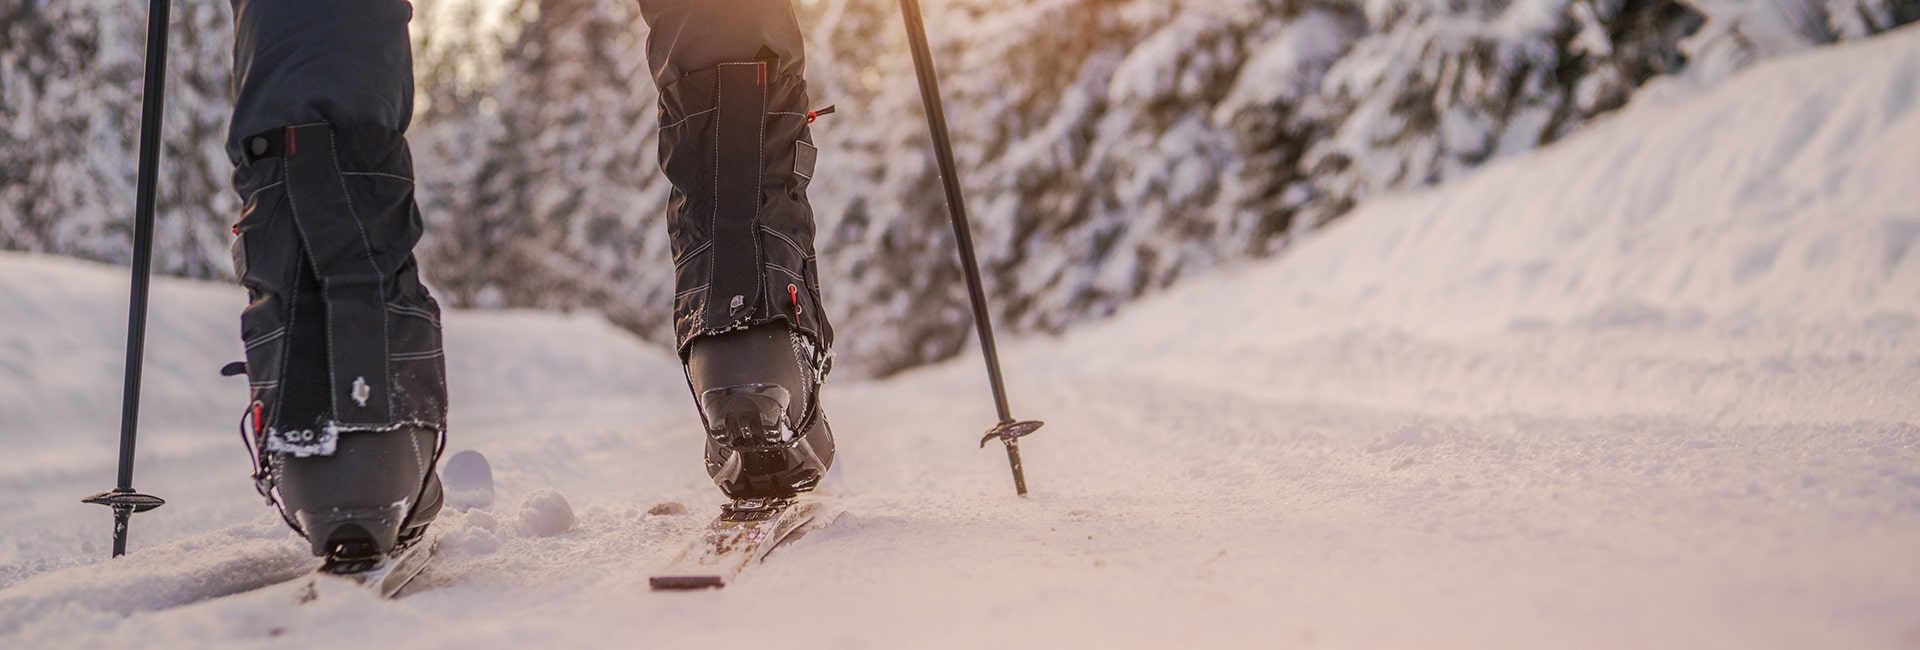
pixel 747 315
pixel 766 436
pixel 376 494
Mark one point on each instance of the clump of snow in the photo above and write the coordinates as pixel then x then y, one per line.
pixel 545 513
pixel 475 532
pixel 670 508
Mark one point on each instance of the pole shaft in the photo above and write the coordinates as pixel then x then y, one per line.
pixel 956 205
pixel 150 113
pixel 962 227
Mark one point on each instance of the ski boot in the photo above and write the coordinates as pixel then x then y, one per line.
pixel 369 501
pixel 766 436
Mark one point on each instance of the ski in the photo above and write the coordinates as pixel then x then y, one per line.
pixel 468 481
pixel 745 531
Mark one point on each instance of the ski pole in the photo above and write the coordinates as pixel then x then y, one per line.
pixel 1008 430
pixel 122 498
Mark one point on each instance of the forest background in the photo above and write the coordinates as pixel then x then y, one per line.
pixel 1109 147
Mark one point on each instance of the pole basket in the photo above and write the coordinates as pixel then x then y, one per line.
pixel 128 500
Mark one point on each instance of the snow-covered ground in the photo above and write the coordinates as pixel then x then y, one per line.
pixel 1657 386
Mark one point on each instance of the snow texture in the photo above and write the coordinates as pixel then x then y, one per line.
pixel 1652 386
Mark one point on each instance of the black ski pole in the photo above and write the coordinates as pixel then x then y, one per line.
pixel 122 498
pixel 1008 431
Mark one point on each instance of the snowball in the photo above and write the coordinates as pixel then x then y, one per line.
pixel 545 513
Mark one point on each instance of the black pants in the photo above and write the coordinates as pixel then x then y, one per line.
pixel 340 333
pixel 299 61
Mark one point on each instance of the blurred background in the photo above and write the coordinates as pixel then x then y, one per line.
pixel 1110 148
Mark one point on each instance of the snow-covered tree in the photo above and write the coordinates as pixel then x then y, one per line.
pixel 70 94
pixel 1424 94
pixel 1109 148
pixel 544 192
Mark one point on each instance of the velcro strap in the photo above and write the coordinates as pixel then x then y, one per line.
pixel 735 286
pixel 351 281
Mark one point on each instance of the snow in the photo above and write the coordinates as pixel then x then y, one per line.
pixel 1286 67
pixel 1653 386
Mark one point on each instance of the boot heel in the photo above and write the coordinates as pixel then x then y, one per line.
pixel 766 437
pixel 376 529
pixel 378 489
pixel 746 416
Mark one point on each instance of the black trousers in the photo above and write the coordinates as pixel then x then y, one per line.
pixel 340 333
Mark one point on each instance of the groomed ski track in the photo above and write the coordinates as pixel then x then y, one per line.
pixel 1657 386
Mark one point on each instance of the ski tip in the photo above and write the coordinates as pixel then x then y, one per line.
pixel 468 480
pixel 685 583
